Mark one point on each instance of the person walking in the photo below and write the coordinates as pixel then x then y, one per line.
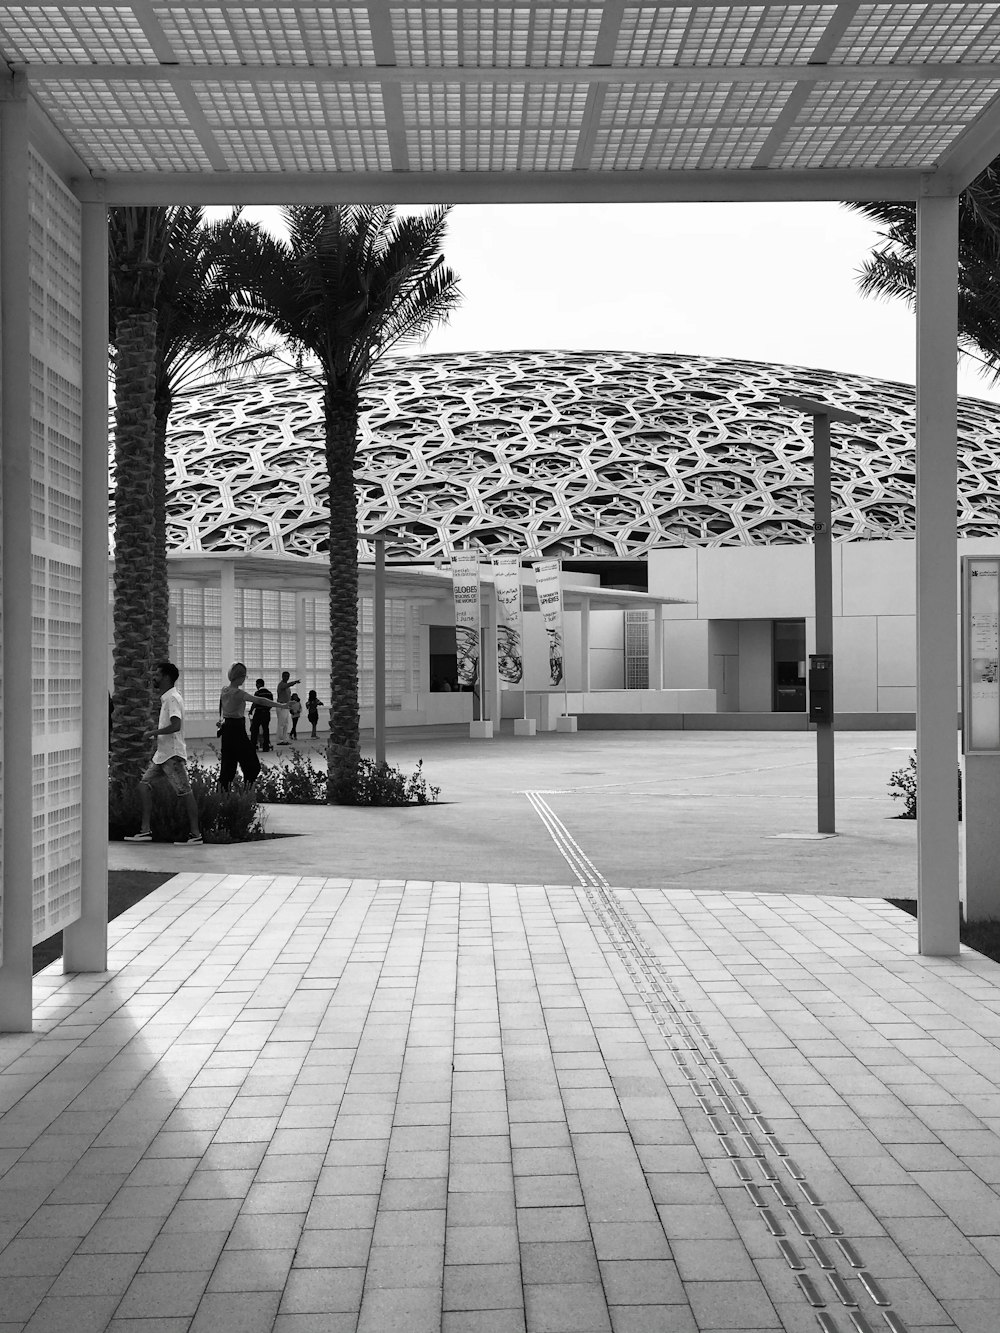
pixel 238 750
pixel 260 718
pixel 169 763
pixel 313 705
pixel 284 699
pixel 295 712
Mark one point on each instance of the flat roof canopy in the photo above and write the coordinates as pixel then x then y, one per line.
pixel 219 101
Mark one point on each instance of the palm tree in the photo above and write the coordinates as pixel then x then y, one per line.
pixel 349 284
pixel 138 238
pixel 164 278
pixel 892 269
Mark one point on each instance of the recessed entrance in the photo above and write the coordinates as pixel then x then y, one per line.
pixel 788 656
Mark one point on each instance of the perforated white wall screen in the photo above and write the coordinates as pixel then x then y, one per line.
pixel 56 550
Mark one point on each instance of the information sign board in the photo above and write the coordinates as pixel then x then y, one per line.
pixel 981 653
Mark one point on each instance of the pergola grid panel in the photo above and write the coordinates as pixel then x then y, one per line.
pixel 74 34
pixel 687 35
pixel 587 453
pixel 279 125
pixel 321 35
pixel 882 34
pixel 130 128
pixel 916 122
pixel 496 36
pixel 396 92
pixel 659 127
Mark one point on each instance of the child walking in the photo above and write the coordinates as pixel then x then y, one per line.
pixel 313 705
pixel 294 712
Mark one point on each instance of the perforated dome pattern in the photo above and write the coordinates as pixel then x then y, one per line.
pixel 585 453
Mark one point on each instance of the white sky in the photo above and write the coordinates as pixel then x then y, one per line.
pixel 760 282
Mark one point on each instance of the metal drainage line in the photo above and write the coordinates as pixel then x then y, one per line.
pixel 701 1063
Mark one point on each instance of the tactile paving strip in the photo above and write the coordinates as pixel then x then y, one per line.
pixel 785 1201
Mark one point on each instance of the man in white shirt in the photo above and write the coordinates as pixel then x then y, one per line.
pixel 284 698
pixel 169 763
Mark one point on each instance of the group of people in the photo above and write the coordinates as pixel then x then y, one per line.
pixel 239 749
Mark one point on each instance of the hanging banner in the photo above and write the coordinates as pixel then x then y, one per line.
pixel 510 650
pixel 465 582
pixel 549 591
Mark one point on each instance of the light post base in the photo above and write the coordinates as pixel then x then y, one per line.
pixel 565 724
pixel 481 731
pixel 525 726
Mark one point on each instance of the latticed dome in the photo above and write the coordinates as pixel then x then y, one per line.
pixel 573 453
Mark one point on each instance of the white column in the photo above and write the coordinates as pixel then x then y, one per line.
pixel 85 942
pixel 15 424
pixel 937 560
pixel 227 612
pixel 585 645
pixel 300 640
pixel 656 650
pixel 378 612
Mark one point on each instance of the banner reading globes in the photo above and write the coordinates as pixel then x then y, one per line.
pixel 465 586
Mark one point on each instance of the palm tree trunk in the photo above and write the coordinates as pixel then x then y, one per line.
pixel 160 589
pixel 344 746
pixel 132 737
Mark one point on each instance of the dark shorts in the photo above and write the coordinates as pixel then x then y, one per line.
pixel 172 771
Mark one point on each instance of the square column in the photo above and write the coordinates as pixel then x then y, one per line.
pixel 585 645
pixel 937 576
pixel 227 612
pixel 15 474
pixel 85 941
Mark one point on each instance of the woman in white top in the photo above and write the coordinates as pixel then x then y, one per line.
pixel 237 747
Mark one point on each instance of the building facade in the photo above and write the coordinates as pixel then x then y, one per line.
pixel 677 477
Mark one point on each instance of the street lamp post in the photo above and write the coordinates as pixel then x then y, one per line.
pixel 821 663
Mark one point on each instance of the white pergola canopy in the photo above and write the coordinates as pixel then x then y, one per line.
pixel 226 101
pixel 223 101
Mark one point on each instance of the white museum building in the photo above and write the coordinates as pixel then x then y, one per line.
pixel 676 491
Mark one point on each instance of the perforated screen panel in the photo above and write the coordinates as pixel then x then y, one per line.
pixel 56 544
pixel 599 453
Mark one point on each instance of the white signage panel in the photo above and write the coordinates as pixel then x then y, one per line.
pixel 465 584
pixel 548 587
pixel 981 652
pixel 510 648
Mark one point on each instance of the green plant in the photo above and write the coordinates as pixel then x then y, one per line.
pixel 292 781
pixel 231 816
pixel 386 784
pixel 903 787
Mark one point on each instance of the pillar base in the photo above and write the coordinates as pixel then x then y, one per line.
pixel 565 723
pixel 525 726
pixel 481 731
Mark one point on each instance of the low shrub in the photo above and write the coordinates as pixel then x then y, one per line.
pixel 292 780
pixel 903 787
pixel 231 816
pixel 385 784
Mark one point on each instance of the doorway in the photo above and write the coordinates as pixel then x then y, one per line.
pixel 444 657
pixel 788 656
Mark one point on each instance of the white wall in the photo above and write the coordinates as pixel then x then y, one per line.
pixel 874 601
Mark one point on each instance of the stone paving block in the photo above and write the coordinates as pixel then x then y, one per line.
pixel 416 1309
pixel 567 1307
pixel 480 1244
pixel 82 1314
pixel 236 1312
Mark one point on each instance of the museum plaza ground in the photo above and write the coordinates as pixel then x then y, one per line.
pixel 604 1042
